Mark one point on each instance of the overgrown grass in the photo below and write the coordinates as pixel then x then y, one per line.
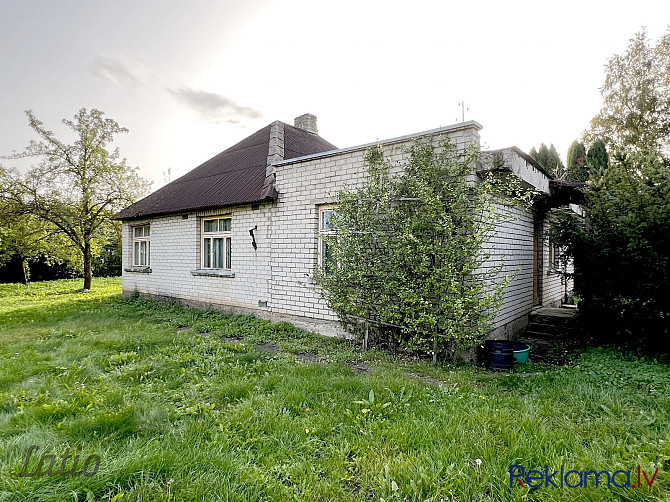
pixel 177 408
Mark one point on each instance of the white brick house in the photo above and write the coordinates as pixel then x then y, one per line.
pixel 241 231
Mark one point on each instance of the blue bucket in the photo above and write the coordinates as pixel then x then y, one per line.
pixel 499 355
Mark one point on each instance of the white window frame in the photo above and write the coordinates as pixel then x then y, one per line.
pixel 208 238
pixel 141 241
pixel 323 230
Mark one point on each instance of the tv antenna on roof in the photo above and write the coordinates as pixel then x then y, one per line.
pixel 463 110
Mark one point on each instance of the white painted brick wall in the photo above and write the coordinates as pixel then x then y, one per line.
pixel 280 271
pixel 175 251
pixel 303 186
pixel 511 245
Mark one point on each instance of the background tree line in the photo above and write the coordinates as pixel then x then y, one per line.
pixel 580 162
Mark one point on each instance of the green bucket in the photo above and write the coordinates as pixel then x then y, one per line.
pixel 521 351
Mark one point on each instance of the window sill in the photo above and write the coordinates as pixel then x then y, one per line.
pixel 213 273
pixel 138 270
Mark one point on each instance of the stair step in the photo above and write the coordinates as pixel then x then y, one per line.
pixel 551 334
pixel 540 326
pixel 540 335
pixel 544 319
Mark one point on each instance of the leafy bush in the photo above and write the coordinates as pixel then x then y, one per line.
pixel 621 251
pixel 407 252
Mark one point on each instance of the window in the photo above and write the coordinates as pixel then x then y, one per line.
pixel 325 229
pixel 141 246
pixel 554 255
pixel 216 243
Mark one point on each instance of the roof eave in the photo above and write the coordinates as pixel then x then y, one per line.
pixel 450 128
pixel 140 216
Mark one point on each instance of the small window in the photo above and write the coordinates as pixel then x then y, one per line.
pixel 325 255
pixel 141 246
pixel 216 243
pixel 554 255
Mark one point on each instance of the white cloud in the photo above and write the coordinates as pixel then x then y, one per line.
pixel 212 106
pixel 123 70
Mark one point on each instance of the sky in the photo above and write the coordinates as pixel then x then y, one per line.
pixel 191 78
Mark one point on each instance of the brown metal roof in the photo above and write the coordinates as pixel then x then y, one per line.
pixel 233 177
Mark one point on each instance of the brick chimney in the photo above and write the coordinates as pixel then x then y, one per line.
pixel 275 146
pixel 306 122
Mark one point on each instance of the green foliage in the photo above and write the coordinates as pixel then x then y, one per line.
pixel 27 239
pixel 621 252
pixel 107 261
pixel 408 249
pixel 635 117
pixel 549 159
pixel 177 416
pixel 597 157
pixel 577 169
pixel 77 187
pixel 621 249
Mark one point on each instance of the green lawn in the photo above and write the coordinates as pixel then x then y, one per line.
pixel 184 405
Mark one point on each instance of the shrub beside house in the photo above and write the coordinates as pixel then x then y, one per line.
pixel 242 232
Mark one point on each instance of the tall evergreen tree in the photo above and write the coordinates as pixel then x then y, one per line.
pixel 541 155
pixel 597 157
pixel 549 159
pixel 555 165
pixel 577 170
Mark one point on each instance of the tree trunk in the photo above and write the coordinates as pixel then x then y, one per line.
pixel 88 265
pixel 25 269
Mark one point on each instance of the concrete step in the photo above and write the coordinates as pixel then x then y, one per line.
pixel 539 335
pixel 541 327
pixel 551 334
pixel 554 312
pixel 543 319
